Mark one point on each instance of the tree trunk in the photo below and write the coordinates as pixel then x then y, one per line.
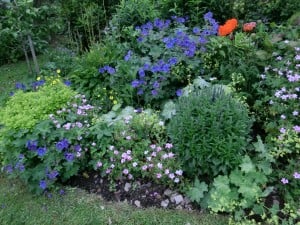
pixel 36 65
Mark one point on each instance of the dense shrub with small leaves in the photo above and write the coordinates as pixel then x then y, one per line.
pixel 210 132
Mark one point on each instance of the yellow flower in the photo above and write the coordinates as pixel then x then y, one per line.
pixel 58 71
pixel 38 78
pixel 115 102
pixel 111 97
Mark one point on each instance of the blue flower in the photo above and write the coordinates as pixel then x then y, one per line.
pixel 43 184
pixel 102 70
pixel 179 92
pixel 110 70
pixel 172 61
pixel 155 84
pixel 69 156
pixel 196 30
pixel 20 86
pixel 52 175
pixel 41 151
pixel 63 144
pixel 135 83
pixel 67 83
pixel 77 148
pixel 20 166
pixel 31 145
pixel 141 73
pixel 140 91
pixel 154 92
pixel 8 168
pixel 208 16
pixel 128 55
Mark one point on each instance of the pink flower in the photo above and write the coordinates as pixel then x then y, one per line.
pixel 134 164
pixel 179 172
pixel 167 171
pixel 159 166
pixel 158 175
pixel 130 177
pixel 171 176
pixel 158 148
pixel 144 167
pixel 152 146
pixel 116 152
pixel 153 154
pixel 168 146
pixel 296 175
pixel 297 128
pixel 128 137
pixel 125 171
pixel 171 154
pixel 176 180
pixel 99 164
pixel 284 180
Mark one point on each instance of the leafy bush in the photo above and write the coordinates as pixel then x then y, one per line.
pixel 25 109
pixel 210 132
pixel 54 149
pixel 134 13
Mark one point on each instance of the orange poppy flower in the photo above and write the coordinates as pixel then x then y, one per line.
pixel 228 27
pixel 248 27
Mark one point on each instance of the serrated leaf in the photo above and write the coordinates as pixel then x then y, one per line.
pixel 196 193
pixel 247 165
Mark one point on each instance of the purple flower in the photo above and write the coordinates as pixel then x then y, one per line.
pixel 297 128
pixel 63 144
pixel 20 86
pixel 196 30
pixel 67 83
pixel 41 151
pixel 69 156
pixel 172 61
pixel 31 145
pixel 8 168
pixel 179 92
pixel 52 175
pixel 296 175
pixel 77 148
pixel 282 130
pixel 156 84
pixel 43 184
pixel 110 70
pixel 20 166
pixel 208 16
pixel 154 92
pixel 135 83
pixel 128 55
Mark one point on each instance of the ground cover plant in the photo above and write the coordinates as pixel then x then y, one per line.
pixel 208 109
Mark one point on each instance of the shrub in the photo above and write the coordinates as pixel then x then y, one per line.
pixel 25 109
pixel 210 132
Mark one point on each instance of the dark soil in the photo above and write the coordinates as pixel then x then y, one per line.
pixel 140 193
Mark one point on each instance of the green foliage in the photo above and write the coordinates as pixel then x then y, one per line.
pixel 234 63
pixel 210 132
pixel 84 20
pixel 21 19
pixel 25 109
pixel 134 13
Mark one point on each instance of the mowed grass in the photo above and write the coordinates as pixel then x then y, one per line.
pixel 76 207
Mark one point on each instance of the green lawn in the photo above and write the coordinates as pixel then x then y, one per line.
pixel 18 206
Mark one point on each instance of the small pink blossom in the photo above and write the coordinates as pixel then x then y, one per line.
pixel 149 158
pixel 108 171
pixel 172 176
pixel 159 166
pixel 176 180
pixel 171 154
pixel 99 164
pixel 167 171
pixel 153 154
pixel 179 172
pixel 168 145
pixel 152 146
pixel 128 137
pixel 130 177
pixel 284 181
pixel 297 128
pixel 144 167
pixel 125 171
pixel 116 152
pixel 296 175
pixel 134 164
pixel 158 175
